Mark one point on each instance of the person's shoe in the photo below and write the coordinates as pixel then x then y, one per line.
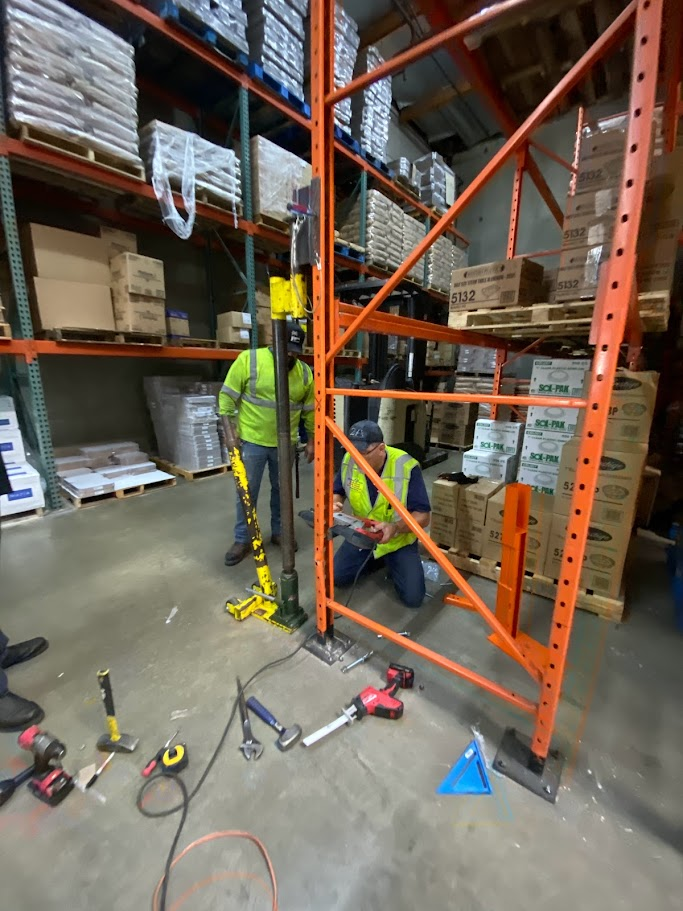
pixel 23 651
pixel 237 553
pixel 16 713
pixel 277 541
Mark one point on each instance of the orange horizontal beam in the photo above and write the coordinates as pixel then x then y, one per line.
pixel 426 47
pixel 550 401
pixel 554 156
pixel 421 651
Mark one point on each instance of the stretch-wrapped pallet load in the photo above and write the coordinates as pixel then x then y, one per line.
pixel 473 359
pixel 413 233
pixel 276 174
pixel 70 77
pixel 183 157
pixel 185 423
pixel 403 172
pixel 226 18
pixel 435 181
pixel 276 40
pixel 371 108
pixel 440 264
pixel 384 230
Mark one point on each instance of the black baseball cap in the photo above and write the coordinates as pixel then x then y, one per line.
pixel 295 337
pixel 365 434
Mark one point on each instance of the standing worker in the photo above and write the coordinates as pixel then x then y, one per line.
pixel 249 393
pixel 398 547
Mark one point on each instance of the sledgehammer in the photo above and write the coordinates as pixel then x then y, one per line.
pixel 288 736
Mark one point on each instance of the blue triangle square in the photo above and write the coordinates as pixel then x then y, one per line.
pixel 468 775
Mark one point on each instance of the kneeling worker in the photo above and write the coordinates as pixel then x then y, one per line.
pixel 249 392
pixel 398 547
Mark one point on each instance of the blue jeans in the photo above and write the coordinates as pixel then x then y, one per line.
pixel 404 565
pixel 3 676
pixel 255 459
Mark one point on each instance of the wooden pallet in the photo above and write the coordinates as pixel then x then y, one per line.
pixel 136 489
pixel 85 502
pixel 101 336
pixel 261 218
pixel 345 352
pixel 182 341
pixel 80 149
pixel 5 331
pixel 608 608
pixel 454 448
pixel 188 473
pixel 570 319
pixel 36 513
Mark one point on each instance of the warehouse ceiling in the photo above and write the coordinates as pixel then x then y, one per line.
pixel 525 53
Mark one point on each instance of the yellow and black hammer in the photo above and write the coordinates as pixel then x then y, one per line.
pixel 113 741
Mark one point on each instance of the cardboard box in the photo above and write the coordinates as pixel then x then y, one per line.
pixel 541 478
pixel 579 272
pixel 550 285
pixel 486 464
pixel 228 335
pixel 276 173
pixel 657 251
pixel 558 376
pixel 561 420
pixel 442 529
pixel 138 313
pixel 27 490
pixel 604 558
pixel 647 495
pixel 234 319
pixel 473 504
pixel 540 518
pixel 583 226
pixel 12 446
pixel 543 447
pixel 177 323
pixel 65 255
pixel 8 414
pixel 58 304
pixel 631 406
pixel 497 436
pixel 265 334
pixel 135 274
pixel 509 281
pixel 600 172
pixel 595 143
pixel 616 493
pixel 118 241
pixel 445 497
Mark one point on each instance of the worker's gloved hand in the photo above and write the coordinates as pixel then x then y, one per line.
pixel 310 451
pixel 388 530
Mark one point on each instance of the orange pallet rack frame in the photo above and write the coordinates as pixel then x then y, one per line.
pixel 334 326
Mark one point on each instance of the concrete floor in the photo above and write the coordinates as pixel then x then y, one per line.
pixel 353 823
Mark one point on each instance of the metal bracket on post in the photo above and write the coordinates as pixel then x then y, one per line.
pixel 329 646
pixel 515 760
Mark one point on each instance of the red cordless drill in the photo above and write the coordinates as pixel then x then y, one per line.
pixel 371 701
pixel 49 782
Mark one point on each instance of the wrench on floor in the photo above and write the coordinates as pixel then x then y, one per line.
pixel 250 746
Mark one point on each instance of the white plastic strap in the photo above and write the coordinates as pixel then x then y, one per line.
pixel 164 194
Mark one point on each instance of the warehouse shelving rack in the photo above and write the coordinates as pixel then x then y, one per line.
pixel 616 319
pixel 245 237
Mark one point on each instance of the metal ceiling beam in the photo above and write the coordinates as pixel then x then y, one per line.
pixel 433 101
pixel 381 28
pixel 473 68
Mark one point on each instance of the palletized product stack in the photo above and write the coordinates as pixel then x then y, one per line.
pixel 481 385
pixel 371 108
pixel 276 39
pixel 276 173
pixel 413 233
pixel 506 282
pixel 226 18
pixel 403 173
pixel 91 471
pixel 71 77
pixel 621 467
pixel 346 41
pixel 453 424
pixel 459 514
pixel 176 154
pixel 495 451
pixel 139 293
pixel 185 423
pixel 474 359
pixel 538 530
pixel 439 260
pixel 27 492
pixel 384 230
pixel 548 429
pixel 435 181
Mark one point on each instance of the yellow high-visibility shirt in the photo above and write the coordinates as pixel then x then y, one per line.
pixel 249 392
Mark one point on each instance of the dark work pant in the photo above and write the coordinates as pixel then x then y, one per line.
pixel 3 676
pixel 404 565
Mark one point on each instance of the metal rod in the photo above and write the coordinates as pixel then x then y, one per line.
pixel 516 205
pixel 550 401
pixel 284 442
pixel 612 36
pixel 558 159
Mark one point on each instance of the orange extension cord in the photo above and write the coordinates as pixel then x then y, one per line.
pixel 229 833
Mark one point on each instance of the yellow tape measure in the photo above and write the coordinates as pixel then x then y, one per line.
pixel 175 758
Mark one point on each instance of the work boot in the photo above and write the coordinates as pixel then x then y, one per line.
pixel 23 651
pixel 237 553
pixel 277 541
pixel 16 713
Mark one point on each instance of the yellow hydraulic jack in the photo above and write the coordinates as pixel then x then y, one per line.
pixel 281 609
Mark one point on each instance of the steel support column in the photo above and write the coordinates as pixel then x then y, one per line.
pixel 513 230
pixel 248 208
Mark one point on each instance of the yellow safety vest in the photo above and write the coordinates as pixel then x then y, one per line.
pixel 249 390
pixel 396 475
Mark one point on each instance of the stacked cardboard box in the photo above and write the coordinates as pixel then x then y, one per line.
pixel 371 108
pixel 139 293
pixel 102 468
pixel 413 233
pixel 234 328
pixel 504 283
pixel 440 354
pixel 616 494
pixel 383 232
pixel 472 359
pixel 453 424
pixel 435 181
pixel 480 385
pixel 70 279
pixel 118 241
pixel 346 42
pixel 27 491
pixel 473 509
pixel 494 455
pixel 548 429
pixel 402 420
pixel 177 323
pixel 444 501
pixel 439 264
pixel 276 173
pixel 185 424
pixel 538 530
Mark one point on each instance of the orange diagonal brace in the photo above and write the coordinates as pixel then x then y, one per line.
pixel 614 35
pixel 435 552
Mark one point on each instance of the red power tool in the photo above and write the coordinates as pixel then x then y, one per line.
pixel 49 782
pixel 371 701
pixel 358 532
